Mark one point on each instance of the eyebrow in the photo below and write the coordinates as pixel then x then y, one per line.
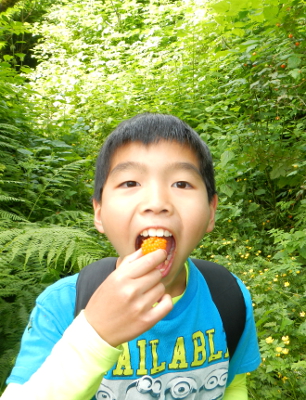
pixel 126 166
pixel 141 167
pixel 185 166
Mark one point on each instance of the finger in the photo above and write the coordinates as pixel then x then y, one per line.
pixel 162 308
pixel 149 280
pixel 137 266
pixel 130 258
pixel 147 263
pixel 154 294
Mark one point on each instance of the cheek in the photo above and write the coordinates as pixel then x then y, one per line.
pixel 116 222
pixel 112 208
pixel 199 218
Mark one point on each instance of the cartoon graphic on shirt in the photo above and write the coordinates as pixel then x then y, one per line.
pixel 105 393
pixel 214 384
pixel 198 384
pixel 148 387
pixel 181 388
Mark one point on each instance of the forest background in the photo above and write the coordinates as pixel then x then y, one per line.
pixel 235 70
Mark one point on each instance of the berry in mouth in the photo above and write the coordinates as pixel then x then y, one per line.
pixel 153 243
pixel 154 239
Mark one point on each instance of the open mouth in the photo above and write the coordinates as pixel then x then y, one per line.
pixel 170 247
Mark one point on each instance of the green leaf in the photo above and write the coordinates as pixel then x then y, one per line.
pixel 226 157
pixel 222 53
pixel 294 61
pixel 270 368
pixel 285 322
pixel 270 13
pixel 59 143
pixel 264 318
pixel 277 171
pixel 253 207
pixel 238 32
pixel 295 73
pixel 303 251
pixel 221 6
pixel 248 42
pixel 7 57
pixel 259 192
pixel 20 55
pixel 299 364
pixel 302 328
pixel 227 190
pixel 24 151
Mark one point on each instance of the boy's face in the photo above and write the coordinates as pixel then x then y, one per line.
pixel 151 187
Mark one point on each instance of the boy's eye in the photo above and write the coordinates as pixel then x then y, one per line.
pixel 129 184
pixel 182 185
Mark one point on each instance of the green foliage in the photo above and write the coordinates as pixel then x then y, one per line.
pixel 235 71
pixel 18 290
pixel 44 201
pixel 54 246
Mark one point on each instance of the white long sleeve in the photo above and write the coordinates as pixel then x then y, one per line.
pixel 73 370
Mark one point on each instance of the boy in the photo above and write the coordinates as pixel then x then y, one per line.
pixel 151 330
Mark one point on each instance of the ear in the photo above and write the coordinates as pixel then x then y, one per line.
pixel 212 207
pixel 97 215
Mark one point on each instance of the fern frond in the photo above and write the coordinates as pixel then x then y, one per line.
pixel 9 128
pixel 56 182
pixel 71 218
pixel 18 291
pixel 7 139
pixel 9 198
pixel 10 216
pixel 6 145
pixel 11 182
pixel 53 246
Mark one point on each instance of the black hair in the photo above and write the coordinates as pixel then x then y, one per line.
pixel 149 128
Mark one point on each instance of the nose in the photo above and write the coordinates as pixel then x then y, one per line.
pixel 156 200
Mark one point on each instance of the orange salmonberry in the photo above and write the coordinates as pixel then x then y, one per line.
pixel 152 244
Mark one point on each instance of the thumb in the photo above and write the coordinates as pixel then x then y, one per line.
pixel 130 258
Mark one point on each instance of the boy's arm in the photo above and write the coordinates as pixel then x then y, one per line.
pixel 237 390
pixel 74 369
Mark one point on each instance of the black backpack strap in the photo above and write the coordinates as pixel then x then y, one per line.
pixel 228 298
pixel 90 278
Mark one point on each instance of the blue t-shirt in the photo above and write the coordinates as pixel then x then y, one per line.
pixel 184 356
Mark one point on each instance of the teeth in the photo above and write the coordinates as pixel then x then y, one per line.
pixel 159 232
pixel 169 255
pixel 156 232
pixel 152 232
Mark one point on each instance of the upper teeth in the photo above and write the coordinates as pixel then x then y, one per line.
pixel 156 232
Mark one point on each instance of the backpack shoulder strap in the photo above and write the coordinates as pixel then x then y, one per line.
pixel 90 278
pixel 227 297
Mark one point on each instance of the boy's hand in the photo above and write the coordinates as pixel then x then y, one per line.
pixel 121 308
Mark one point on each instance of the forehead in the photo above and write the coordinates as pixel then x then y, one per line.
pixel 161 152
